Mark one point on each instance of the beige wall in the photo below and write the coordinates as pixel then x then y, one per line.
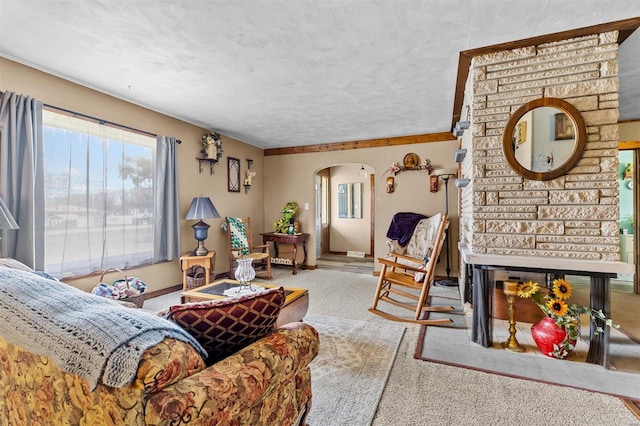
pixel 64 94
pixel 629 132
pixel 279 179
pixel 291 178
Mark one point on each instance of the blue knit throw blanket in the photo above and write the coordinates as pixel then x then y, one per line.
pixel 86 335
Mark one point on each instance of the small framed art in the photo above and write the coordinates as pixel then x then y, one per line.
pixel 233 174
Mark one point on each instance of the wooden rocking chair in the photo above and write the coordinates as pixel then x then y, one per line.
pixel 240 244
pixel 405 280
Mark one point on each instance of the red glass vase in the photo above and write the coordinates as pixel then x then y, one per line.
pixel 546 334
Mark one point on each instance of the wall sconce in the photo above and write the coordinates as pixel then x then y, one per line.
pixel 201 208
pixel 459 154
pixel 461 126
pixel 390 184
pixel 462 182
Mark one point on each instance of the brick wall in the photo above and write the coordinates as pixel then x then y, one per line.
pixel 573 216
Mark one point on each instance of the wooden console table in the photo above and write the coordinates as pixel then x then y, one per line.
pixel 600 272
pixel 295 239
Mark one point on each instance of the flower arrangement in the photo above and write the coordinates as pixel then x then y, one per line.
pixel 566 316
pixel 211 145
pixel 288 212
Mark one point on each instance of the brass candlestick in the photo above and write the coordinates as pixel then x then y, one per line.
pixel 510 289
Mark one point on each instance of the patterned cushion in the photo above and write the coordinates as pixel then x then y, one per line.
pixel 238 235
pixel 223 327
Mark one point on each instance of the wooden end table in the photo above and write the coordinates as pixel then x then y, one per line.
pixel 277 238
pixel 296 302
pixel 188 260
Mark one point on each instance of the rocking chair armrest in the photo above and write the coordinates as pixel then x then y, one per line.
pixel 262 247
pixel 401 265
pixel 409 258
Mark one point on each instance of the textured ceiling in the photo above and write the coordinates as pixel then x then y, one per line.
pixel 284 73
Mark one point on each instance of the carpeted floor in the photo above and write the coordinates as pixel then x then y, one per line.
pixel 428 393
pixel 355 357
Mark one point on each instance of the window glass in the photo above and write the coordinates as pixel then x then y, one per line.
pixel 98 196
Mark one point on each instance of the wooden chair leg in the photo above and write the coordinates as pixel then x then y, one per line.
pixel 376 297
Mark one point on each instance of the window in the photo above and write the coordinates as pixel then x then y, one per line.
pixel 98 196
pixel 350 200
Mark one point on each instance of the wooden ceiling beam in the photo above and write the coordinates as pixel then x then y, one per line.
pixel 370 143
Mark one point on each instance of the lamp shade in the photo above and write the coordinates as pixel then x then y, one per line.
pixel 201 208
pixel 6 218
pixel 445 172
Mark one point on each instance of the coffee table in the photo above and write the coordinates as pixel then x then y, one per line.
pixel 296 302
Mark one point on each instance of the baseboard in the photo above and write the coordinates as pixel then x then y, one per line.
pixel 163 291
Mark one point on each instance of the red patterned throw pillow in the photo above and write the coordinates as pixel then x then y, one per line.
pixel 223 327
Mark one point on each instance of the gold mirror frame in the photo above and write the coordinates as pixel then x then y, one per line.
pixel 580 138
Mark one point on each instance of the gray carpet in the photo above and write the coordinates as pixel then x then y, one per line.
pixel 355 357
pixel 427 393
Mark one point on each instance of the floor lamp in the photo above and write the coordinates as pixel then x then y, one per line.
pixel 6 222
pixel 445 175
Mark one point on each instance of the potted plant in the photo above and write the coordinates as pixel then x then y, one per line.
pixel 557 333
pixel 288 212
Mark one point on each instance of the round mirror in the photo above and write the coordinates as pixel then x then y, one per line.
pixel 544 138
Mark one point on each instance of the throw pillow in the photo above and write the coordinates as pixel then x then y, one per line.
pixel 223 327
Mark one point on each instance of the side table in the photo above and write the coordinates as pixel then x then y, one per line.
pixel 189 260
pixel 295 239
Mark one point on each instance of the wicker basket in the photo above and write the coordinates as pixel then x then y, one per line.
pixel 136 300
pixel 196 277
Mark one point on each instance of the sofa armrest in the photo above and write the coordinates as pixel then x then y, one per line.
pixel 257 381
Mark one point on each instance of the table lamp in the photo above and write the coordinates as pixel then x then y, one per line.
pixel 201 208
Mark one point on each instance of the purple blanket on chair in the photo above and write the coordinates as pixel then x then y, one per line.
pixel 402 226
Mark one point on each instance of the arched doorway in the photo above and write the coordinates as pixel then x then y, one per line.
pixel 345 214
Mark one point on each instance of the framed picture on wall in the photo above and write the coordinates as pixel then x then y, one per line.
pixel 233 174
pixel 563 128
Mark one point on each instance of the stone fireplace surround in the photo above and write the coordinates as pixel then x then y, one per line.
pixel 567 225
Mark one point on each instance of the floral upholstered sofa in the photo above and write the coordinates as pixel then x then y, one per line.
pixel 267 382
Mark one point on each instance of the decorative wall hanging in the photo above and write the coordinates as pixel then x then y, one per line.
pixel 233 174
pixel 249 176
pixel 211 151
pixel 390 184
pixel 433 183
pixel 411 161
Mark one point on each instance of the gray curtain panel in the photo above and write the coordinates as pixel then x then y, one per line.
pixel 22 176
pixel 166 240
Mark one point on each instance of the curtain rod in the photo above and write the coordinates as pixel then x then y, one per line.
pixel 105 122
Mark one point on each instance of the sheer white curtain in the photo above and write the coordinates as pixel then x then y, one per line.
pixel 99 196
pixel 21 176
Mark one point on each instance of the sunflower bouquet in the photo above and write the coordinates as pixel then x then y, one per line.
pixel 566 316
